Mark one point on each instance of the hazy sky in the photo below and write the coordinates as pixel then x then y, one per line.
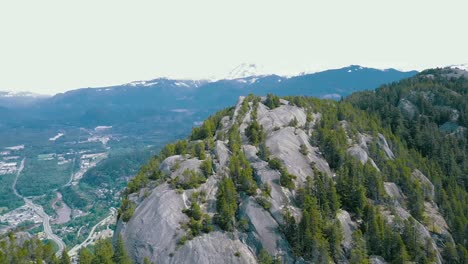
pixel 51 46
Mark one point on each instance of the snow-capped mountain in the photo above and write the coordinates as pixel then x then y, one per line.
pixel 245 70
pixel 168 82
pixel 249 70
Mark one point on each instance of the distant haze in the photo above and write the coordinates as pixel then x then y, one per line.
pixel 51 46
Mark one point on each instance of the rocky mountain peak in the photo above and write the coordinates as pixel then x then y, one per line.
pixel 236 190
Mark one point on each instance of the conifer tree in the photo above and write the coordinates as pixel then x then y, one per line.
pixel 334 235
pixel 207 167
pixel 103 252
pixel 272 101
pixel 120 253
pixel 85 256
pixel 65 259
pixel 147 261
pixel 358 251
pixel 226 204
pixel 312 243
pixel 264 257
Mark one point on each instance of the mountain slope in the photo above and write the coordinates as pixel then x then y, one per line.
pixel 429 112
pixel 295 179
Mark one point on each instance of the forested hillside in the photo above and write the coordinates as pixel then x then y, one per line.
pixel 429 113
pixel 22 249
pixel 379 176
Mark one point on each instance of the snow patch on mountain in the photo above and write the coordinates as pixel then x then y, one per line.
pixel 20 94
pixel 181 84
pixel 165 81
pixel 142 83
pixel 463 67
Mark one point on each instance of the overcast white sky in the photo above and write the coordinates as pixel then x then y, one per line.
pixel 51 46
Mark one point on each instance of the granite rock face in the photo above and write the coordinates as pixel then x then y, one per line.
pixel 154 225
pixel 348 226
pixel 384 145
pixel 158 228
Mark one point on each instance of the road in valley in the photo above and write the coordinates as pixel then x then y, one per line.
pixel 20 169
pixel 92 237
pixel 39 211
pixel 46 223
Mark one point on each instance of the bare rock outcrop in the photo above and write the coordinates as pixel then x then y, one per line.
pixel 155 220
pixel 222 153
pixel 216 247
pixel 408 108
pixel 426 184
pixel 285 144
pixel 280 117
pixel 377 260
pixel 167 164
pixel 394 192
pixel 348 227
pixel 360 154
pixel 382 141
pixel 264 231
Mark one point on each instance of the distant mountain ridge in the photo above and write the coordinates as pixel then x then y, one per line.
pixel 341 81
pixel 157 98
pixel 16 99
pixel 19 94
